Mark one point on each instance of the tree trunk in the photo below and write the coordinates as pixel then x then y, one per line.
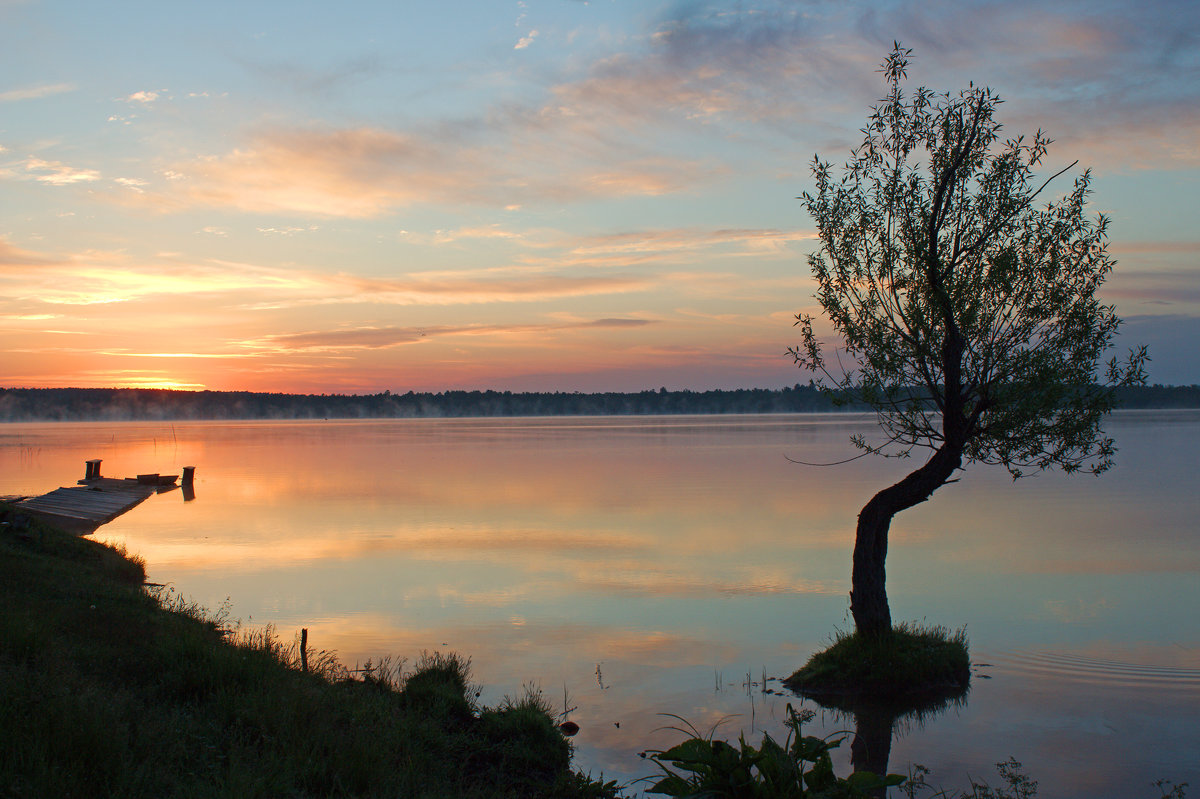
pixel 868 593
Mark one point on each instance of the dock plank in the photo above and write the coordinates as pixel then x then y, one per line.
pixel 95 503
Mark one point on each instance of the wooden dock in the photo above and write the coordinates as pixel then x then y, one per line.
pixel 84 508
pixel 97 500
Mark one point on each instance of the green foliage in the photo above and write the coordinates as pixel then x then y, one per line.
pixel 969 316
pixel 802 767
pixel 904 665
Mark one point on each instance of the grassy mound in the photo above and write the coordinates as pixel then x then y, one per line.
pixel 908 664
pixel 108 688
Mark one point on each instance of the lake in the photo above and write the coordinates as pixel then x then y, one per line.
pixel 651 565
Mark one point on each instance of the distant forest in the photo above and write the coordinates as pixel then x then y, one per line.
pixel 115 404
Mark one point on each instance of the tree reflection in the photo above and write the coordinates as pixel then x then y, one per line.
pixel 877 723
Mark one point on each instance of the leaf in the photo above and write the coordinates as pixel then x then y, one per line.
pixel 865 781
pixel 672 786
pixel 693 750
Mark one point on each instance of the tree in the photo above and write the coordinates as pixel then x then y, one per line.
pixel 968 317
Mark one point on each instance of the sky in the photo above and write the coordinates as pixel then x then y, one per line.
pixel 537 195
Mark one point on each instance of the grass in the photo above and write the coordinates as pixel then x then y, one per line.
pixel 108 688
pixel 910 665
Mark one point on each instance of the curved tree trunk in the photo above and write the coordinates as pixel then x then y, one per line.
pixel 868 593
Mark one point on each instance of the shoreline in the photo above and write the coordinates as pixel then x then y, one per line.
pixel 113 688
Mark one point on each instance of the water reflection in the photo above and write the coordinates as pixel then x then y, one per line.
pixel 679 554
pixel 878 723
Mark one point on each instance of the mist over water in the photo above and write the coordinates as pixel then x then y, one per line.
pixel 655 565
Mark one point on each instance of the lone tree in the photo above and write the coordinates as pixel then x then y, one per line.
pixel 968 318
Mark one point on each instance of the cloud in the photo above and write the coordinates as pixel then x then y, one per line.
pixel 488 232
pixel 286 231
pixel 1114 84
pixel 652 583
pixel 711 65
pixel 1155 247
pixel 141 98
pixel 368 172
pixel 555 250
pixel 30 317
pixel 97 277
pixel 674 245
pixel 468 288
pixel 1106 82
pixel 1162 285
pixel 353 173
pixel 525 41
pixel 575 267
pixel 36 92
pixel 690 240
pixel 102 278
pixel 390 336
pixel 11 256
pixel 56 173
pixel 620 322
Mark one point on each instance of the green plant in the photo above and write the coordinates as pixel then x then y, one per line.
pixel 1017 784
pixel 801 767
pixel 906 664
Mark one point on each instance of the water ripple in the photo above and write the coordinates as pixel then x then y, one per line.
pixel 1097 671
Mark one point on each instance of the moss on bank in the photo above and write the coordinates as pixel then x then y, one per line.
pixel 908 664
pixel 110 689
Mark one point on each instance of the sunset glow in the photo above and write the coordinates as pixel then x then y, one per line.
pixel 524 196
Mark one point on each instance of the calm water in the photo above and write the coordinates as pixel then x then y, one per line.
pixel 665 565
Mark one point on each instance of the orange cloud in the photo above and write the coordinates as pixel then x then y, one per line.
pixel 385 337
pixel 56 173
pixel 368 172
pixel 96 278
pixel 15 259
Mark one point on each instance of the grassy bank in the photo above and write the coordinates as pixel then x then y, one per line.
pixel 108 688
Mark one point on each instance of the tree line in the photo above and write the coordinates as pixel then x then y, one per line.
pixel 143 404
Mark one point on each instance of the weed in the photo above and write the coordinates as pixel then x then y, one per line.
pixel 1170 790
pixel 801 767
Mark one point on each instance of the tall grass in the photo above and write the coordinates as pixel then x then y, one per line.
pixel 909 663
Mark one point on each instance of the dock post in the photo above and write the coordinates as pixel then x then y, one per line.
pixel 189 474
pixel 304 649
pixel 92 469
